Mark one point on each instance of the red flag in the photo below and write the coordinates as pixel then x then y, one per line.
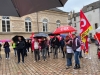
pixel 85 26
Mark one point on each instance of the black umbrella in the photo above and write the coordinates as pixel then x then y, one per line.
pixel 40 35
pixel 24 7
pixel 51 34
pixel 15 38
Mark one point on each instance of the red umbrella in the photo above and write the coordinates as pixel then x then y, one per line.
pixel 64 29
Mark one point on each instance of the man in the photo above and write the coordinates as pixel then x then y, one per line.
pixel 20 49
pixel 62 44
pixel 55 43
pixel 43 45
pixel 76 46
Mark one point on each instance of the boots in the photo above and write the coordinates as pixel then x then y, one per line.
pixel 76 66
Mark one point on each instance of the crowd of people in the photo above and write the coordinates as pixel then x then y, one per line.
pixel 70 47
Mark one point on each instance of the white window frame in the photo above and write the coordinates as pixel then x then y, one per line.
pixel 5 23
pixel 45 25
pixel 28 20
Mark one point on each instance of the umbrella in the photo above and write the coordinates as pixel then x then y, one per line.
pixel 63 35
pixel 15 38
pixel 52 34
pixel 24 7
pixel 40 35
pixel 5 40
pixel 64 29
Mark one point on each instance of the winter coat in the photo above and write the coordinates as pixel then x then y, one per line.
pixel 6 48
pixel 55 42
pixel 20 45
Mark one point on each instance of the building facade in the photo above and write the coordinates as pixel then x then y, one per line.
pixel 92 12
pixel 43 21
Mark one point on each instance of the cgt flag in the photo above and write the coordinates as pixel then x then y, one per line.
pixel 85 26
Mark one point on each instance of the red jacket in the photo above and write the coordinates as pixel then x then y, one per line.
pixel 32 46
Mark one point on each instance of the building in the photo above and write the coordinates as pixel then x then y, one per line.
pixel 43 21
pixel 92 12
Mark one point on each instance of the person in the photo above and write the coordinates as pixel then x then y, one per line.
pixel 47 42
pixel 98 53
pixel 87 55
pixel 27 45
pixel 51 45
pixel 14 48
pixel 20 49
pixel 7 50
pixel 36 50
pixel 76 46
pixel 55 43
pixel 80 54
pixel 62 44
pixel 69 52
pixel 0 49
pixel 43 45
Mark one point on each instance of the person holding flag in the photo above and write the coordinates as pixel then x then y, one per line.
pixel 85 27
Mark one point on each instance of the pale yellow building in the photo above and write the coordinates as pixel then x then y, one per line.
pixel 43 21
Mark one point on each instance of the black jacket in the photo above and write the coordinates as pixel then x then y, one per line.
pixel 20 45
pixel 55 41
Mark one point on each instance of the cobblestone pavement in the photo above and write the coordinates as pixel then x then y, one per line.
pixel 49 67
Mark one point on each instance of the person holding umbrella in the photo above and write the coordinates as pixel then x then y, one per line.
pixel 20 49
pixel 55 43
pixel 35 48
pixel 43 45
pixel 69 51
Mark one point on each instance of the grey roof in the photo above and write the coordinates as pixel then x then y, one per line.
pixel 92 6
pixel 56 9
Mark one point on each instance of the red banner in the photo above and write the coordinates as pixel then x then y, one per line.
pixel 85 26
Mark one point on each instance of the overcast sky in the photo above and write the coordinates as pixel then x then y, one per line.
pixel 76 5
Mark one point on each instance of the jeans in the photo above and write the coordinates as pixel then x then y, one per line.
pixel 7 54
pixel 76 55
pixel 44 53
pixel 20 51
pixel 56 51
pixel 80 54
pixel 69 61
pixel 62 48
pixel 37 55
pixel 15 51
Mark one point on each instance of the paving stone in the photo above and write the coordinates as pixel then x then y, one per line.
pixel 50 67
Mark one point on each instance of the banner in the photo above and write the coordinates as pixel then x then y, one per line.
pixel 85 26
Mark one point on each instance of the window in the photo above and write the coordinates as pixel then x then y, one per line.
pixel 96 25
pixel 5 24
pixel 74 18
pixel 28 25
pixel 45 23
pixel 90 34
pixel 58 23
pixel 75 25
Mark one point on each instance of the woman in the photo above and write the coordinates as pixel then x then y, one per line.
pixel 69 51
pixel 7 49
pixel 35 48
